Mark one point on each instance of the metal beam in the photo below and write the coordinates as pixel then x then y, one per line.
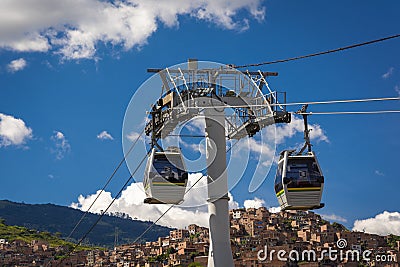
pixel 224 71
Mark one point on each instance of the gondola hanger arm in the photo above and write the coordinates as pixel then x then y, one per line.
pixel 307 144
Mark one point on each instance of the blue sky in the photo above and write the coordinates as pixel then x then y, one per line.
pixel 73 76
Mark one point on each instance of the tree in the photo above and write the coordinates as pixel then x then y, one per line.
pixel 194 254
pixel 195 264
pixel 339 227
pixel 171 250
pixel 392 240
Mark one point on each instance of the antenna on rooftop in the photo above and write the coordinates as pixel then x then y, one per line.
pixel 116 237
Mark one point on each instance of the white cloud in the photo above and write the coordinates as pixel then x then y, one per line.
pixel 254 203
pixel 73 28
pixel 288 130
pixel 333 217
pixel 382 224
pixel 379 173
pixel 257 146
pixel 16 65
pixel 131 202
pixel 193 210
pixel 13 131
pixel 232 203
pixel 317 133
pixel 265 145
pixel 132 136
pixel 62 145
pixel 104 135
pixel 388 73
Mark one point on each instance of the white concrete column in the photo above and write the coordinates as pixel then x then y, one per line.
pixel 220 254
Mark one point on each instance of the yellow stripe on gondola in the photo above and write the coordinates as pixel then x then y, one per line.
pixel 301 189
pixel 280 193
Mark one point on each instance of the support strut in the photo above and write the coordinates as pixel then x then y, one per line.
pixel 307 143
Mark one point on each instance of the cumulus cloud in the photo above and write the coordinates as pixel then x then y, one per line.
pixel 104 135
pixel 254 203
pixel 132 136
pixel 257 146
pixel 333 217
pixel 74 28
pixel 13 131
pixel 192 210
pixel 382 224
pixel 16 65
pixel 131 202
pixel 288 130
pixel 379 173
pixel 61 145
pixel 388 73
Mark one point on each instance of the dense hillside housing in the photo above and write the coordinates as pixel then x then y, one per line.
pixel 258 238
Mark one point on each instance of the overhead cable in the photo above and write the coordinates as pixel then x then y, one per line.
pixel 297 103
pixel 316 54
pixel 104 211
pixel 350 112
pixel 106 184
pixel 173 205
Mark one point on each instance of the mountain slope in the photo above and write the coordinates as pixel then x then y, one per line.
pixel 60 219
pixel 14 233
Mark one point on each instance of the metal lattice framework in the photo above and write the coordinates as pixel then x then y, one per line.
pixel 183 92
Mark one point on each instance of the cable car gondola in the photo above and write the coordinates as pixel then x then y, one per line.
pixel 165 178
pixel 299 181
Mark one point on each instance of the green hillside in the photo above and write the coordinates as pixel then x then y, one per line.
pixel 14 233
pixel 61 220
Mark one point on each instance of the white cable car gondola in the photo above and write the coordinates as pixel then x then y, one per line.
pixel 165 178
pixel 299 182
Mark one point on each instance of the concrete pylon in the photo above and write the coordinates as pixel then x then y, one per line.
pixel 220 253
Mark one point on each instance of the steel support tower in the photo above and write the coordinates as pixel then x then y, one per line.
pixel 187 93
